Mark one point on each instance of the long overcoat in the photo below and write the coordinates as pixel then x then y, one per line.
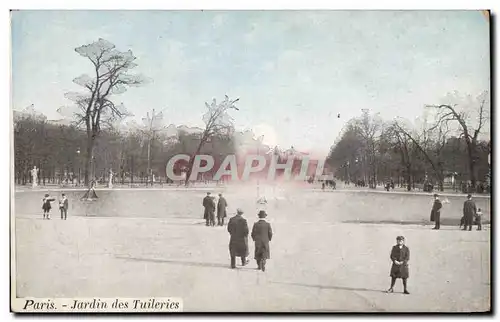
pixel 238 229
pixel 262 235
pixel 401 255
pixel 436 208
pixel 209 205
pixel 469 209
pixel 221 208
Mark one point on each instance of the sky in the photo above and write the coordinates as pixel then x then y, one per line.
pixel 294 71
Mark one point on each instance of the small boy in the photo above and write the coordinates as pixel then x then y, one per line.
pixel 63 207
pixel 46 205
pixel 400 255
pixel 479 219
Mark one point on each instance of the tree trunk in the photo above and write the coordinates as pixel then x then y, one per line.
pixel 441 180
pixel 472 165
pixel 408 179
pixel 191 162
pixel 89 175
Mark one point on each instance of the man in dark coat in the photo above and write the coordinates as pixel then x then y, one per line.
pixel 221 210
pixel 469 212
pixel 400 255
pixel 209 213
pixel 436 212
pixel 238 243
pixel 262 235
pixel 63 207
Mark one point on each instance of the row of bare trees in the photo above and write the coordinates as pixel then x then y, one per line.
pixel 60 149
pixel 448 141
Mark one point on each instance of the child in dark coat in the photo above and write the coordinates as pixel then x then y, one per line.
pixel 479 219
pixel 46 205
pixel 400 255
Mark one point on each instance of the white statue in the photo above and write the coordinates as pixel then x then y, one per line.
pixel 34 175
pixel 110 184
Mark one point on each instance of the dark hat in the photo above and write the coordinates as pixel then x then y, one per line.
pixel 436 195
pixel 208 193
pixel 400 238
pixel 46 195
pixel 469 196
pixel 262 214
pixel 220 194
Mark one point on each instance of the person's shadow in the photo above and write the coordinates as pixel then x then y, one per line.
pixel 183 263
pixel 330 287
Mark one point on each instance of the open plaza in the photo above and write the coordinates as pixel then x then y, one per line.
pixel 330 250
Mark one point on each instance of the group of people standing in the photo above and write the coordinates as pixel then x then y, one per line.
pixel 471 214
pixel 210 209
pixel 238 230
pixel 63 206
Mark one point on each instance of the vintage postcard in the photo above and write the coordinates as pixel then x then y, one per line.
pixel 250 161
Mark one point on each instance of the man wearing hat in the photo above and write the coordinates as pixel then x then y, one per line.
pixel 221 210
pixel 436 212
pixel 63 207
pixel 469 212
pixel 209 213
pixel 400 255
pixel 262 235
pixel 238 243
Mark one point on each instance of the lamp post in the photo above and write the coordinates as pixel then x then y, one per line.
pixel 79 166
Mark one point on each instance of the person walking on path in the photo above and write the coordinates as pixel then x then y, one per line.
pixel 262 235
pixel 63 207
pixel 469 212
pixel 436 212
pixel 400 255
pixel 238 242
pixel 221 210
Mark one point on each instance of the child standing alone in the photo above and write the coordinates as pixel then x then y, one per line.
pixel 400 255
pixel 46 205
pixel 479 219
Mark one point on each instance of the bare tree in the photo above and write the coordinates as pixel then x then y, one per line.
pixel 471 116
pixel 405 147
pixel 217 123
pixel 421 142
pixel 110 77
pixel 370 129
pixel 152 124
